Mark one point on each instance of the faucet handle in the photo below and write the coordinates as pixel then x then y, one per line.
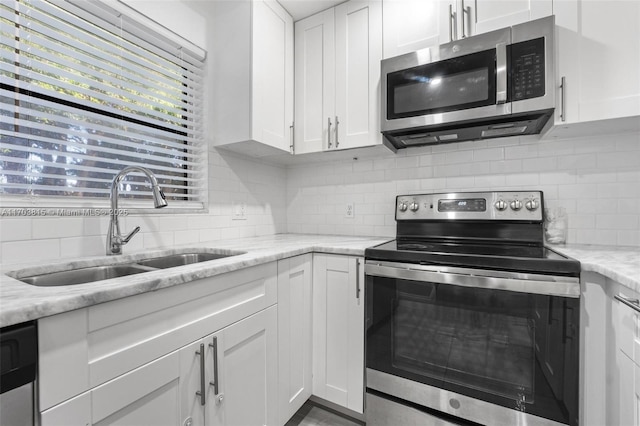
pixel 126 239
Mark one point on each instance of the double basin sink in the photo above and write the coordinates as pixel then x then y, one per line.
pixel 105 272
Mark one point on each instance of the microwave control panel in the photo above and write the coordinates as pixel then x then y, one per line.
pixel 526 69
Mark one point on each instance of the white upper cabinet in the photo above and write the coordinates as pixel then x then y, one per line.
pixel 411 25
pixel 599 58
pixel 337 68
pixel 253 76
pixel 358 54
pixel 489 15
pixel 314 82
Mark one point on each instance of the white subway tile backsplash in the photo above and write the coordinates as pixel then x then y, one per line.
pixel 30 250
pixel 15 229
pixel 590 177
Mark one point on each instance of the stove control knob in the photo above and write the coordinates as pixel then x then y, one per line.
pixel 402 207
pixel 501 205
pixel 516 205
pixel 414 206
pixel 532 204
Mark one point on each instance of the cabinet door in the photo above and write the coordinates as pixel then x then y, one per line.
pixel 294 334
pixel 194 359
pixel 338 330
pixel 489 15
pixel 358 26
pixel 272 48
pixel 410 25
pixel 599 57
pixel 247 363
pixel 314 82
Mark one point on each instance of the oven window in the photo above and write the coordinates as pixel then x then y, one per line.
pixel 453 84
pixel 499 346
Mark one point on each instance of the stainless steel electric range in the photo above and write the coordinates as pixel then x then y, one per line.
pixel 470 318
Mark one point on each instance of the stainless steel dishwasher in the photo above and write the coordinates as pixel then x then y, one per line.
pixel 18 361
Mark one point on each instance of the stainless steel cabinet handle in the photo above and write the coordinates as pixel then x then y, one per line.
pixel 452 24
pixel 329 131
pixel 563 116
pixel 464 10
pixel 337 123
pixel 214 383
pixel 291 146
pixel 501 73
pixel 358 279
pixel 201 393
pixel 632 303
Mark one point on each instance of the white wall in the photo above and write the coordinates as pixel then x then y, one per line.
pixel 596 179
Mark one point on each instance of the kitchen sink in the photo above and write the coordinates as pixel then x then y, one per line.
pixel 99 273
pixel 84 275
pixel 174 260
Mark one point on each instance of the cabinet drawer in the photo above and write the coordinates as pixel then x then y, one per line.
pixel 82 349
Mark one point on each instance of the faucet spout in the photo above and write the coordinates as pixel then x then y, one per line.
pixel 115 240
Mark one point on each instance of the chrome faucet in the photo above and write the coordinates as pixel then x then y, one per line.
pixel 115 240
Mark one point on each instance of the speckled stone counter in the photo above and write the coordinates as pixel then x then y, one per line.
pixel 21 302
pixel 621 264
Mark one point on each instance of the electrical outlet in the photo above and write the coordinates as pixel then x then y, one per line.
pixel 350 212
pixel 239 211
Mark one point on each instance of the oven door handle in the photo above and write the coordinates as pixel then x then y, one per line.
pixel 550 287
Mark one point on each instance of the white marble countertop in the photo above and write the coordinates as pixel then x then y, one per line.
pixel 21 302
pixel 621 264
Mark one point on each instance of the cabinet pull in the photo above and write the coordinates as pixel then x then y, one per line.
pixel 214 345
pixel 201 392
pixel 632 303
pixel 563 116
pixel 358 279
pixel 329 131
pixel 337 123
pixel 452 21
pixel 465 10
pixel 291 146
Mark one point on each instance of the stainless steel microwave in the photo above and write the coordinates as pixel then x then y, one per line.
pixel 495 84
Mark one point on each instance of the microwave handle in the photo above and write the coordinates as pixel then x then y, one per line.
pixel 501 73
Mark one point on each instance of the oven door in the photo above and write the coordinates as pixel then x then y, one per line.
pixel 449 83
pixel 488 346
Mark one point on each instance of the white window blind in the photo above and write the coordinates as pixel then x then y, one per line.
pixel 87 90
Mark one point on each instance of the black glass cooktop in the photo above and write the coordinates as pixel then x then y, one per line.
pixel 476 254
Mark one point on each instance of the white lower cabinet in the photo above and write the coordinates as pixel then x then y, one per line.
pixel 338 330
pixel 227 378
pixel 134 360
pixel 237 374
pixel 294 334
pixel 610 335
pixel 626 317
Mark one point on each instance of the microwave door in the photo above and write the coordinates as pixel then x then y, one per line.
pixel 455 82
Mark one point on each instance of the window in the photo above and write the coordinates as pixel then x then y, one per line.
pixel 85 91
